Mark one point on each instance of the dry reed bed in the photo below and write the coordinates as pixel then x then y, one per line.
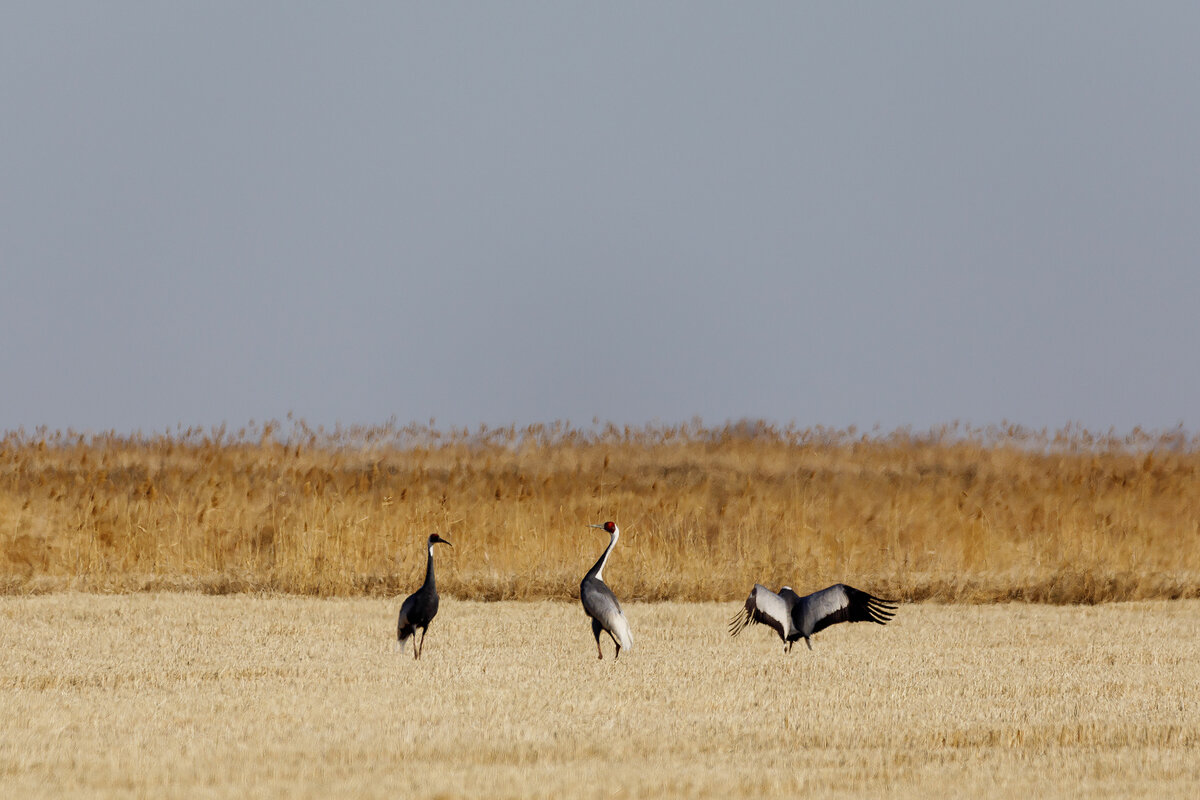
pixel 956 515
pixel 170 695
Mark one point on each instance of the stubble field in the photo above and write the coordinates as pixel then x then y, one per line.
pixel 211 614
pixel 160 694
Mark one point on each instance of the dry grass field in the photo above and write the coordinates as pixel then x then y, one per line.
pixel 185 695
pixel 213 614
pixel 954 515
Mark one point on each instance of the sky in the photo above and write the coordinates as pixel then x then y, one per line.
pixel 873 214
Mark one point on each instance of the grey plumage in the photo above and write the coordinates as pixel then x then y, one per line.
pixel 601 604
pixel 420 607
pixel 794 617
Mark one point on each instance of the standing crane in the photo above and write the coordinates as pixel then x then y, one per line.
pixel 601 604
pixel 420 607
pixel 793 616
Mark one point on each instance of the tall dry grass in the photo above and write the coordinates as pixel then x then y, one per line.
pixel 956 514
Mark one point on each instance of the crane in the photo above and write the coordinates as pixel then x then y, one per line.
pixel 601 604
pixel 420 607
pixel 792 616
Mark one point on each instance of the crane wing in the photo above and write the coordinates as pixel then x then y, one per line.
pixel 404 626
pixel 840 603
pixel 766 607
pixel 602 605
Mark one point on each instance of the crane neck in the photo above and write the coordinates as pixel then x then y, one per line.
pixel 595 571
pixel 429 580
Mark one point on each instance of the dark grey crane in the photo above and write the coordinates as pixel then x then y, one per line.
pixel 792 616
pixel 420 607
pixel 601 604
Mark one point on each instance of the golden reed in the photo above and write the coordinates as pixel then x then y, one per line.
pixel 955 514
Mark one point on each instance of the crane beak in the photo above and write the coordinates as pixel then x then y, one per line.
pixel 601 527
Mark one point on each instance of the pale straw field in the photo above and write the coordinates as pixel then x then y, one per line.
pixel 184 695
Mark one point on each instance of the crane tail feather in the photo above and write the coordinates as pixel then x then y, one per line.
pixel 622 633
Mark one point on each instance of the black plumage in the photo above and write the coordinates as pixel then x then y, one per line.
pixel 420 607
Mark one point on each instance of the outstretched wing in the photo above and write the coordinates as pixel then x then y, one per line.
pixel 841 603
pixel 766 607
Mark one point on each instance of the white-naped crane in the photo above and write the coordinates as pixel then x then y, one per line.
pixel 793 616
pixel 601 604
pixel 420 607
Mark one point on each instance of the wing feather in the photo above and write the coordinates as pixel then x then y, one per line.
pixel 602 605
pixel 766 607
pixel 841 603
pixel 405 629
pixel 618 626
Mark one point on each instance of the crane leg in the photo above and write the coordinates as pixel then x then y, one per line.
pixel 596 632
pixel 417 654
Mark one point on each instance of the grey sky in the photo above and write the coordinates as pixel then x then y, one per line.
pixel 820 213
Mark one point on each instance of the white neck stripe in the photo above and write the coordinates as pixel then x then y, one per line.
pixel 604 559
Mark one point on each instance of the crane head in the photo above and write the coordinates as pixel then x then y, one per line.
pixel 610 527
pixel 435 539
